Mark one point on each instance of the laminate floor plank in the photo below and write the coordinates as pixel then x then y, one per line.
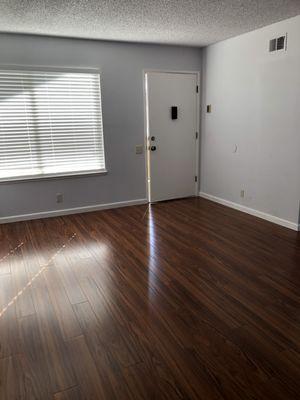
pixel 37 359
pixel 5 260
pixel 20 278
pixel 19 380
pixel 64 267
pixel 52 341
pixel 9 336
pixel 184 299
pixel 64 312
pixel 69 394
pixel 104 355
pixel 86 371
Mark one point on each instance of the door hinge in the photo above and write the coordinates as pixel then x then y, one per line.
pixel 196 135
pixel 197 89
pixel 196 178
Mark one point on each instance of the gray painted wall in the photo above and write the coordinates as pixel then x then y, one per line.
pixel 255 98
pixel 122 93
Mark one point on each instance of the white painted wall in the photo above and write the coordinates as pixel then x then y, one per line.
pixel 122 93
pixel 255 98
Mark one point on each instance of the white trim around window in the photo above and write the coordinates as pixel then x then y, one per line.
pixel 50 123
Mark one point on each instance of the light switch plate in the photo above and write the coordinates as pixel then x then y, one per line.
pixel 139 149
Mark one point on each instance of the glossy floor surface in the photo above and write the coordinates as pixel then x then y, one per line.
pixel 190 300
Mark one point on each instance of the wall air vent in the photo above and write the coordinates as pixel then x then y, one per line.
pixel 279 43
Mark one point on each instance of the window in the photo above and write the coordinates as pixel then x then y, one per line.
pixel 50 124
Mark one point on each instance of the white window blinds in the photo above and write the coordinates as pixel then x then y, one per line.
pixel 50 124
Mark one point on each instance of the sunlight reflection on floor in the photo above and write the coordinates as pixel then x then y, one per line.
pixel 39 272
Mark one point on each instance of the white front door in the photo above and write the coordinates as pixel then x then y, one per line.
pixel 171 102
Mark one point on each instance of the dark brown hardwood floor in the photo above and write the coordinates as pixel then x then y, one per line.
pixel 190 300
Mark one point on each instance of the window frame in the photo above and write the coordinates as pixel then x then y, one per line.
pixel 62 175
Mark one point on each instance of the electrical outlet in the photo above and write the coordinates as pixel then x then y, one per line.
pixel 59 198
pixel 208 108
pixel 242 193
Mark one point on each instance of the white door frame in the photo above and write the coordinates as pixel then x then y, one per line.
pixel 146 141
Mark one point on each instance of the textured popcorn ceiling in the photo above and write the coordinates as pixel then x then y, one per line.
pixel 188 22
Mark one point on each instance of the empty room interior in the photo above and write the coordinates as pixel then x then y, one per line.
pixel 150 200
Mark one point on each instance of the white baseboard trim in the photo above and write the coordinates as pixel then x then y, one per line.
pixel 67 211
pixel 251 211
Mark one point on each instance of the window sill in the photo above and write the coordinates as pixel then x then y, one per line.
pixel 53 176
